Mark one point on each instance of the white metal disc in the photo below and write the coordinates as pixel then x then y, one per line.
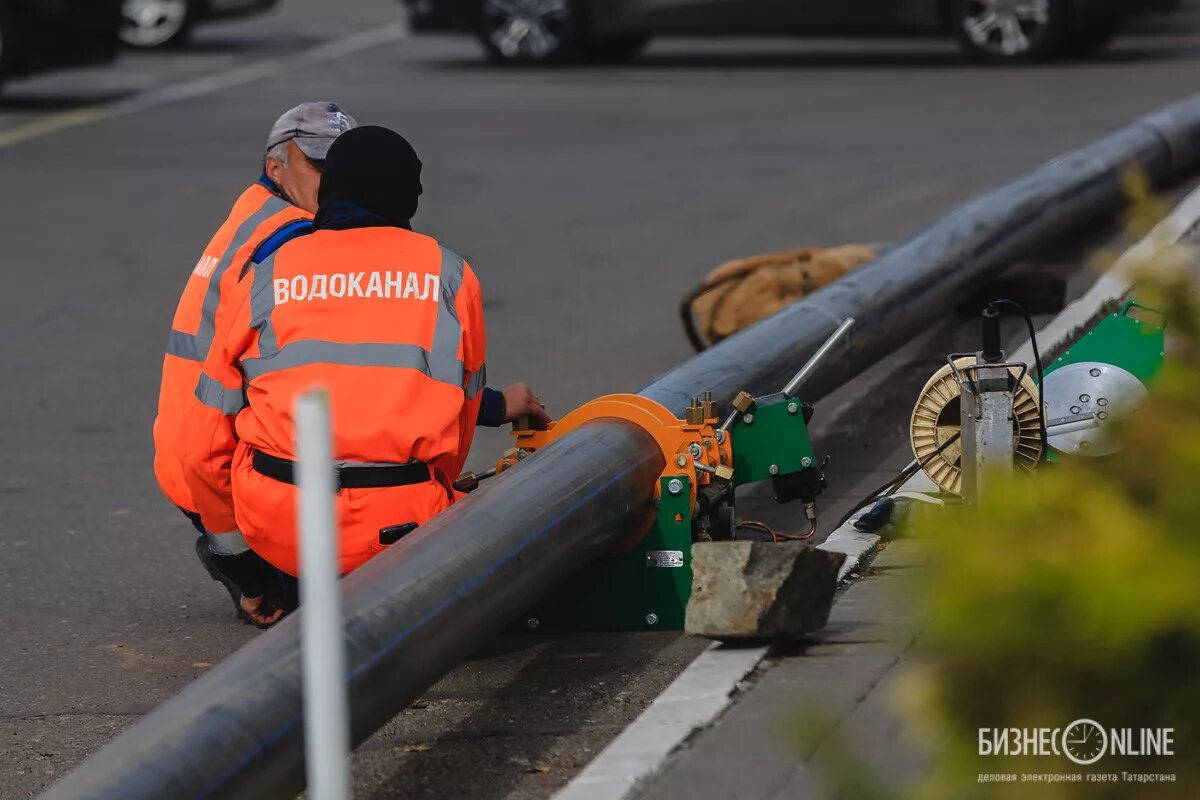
pixel 1089 387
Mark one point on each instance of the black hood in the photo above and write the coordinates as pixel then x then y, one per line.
pixel 374 169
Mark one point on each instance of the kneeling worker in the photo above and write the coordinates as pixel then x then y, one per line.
pixel 275 208
pixel 386 320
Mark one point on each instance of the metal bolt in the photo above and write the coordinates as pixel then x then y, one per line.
pixel 681 460
pixel 707 442
pixel 720 437
pixel 695 450
pixel 1103 415
pixel 748 419
pixel 675 486
pixel 1076 409
pixel 773 469
pixel 793 408
pixel 1085 444
pixel 806 462
pixel 1101 401
pixel 1094 372
pixel 652 618
pixel 533 623
pixel 1083 398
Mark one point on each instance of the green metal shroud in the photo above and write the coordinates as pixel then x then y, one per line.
pixel 1135 345
pixel 645 589
pixel 772 433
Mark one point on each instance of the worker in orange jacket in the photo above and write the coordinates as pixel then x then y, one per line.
pixel 276 207
pixel 385 319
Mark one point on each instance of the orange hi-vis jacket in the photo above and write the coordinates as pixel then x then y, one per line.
pixel 256 215
pixel 391 325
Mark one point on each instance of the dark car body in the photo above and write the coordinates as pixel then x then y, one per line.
pixel 733 17
pixel 617 29
pixel 43 34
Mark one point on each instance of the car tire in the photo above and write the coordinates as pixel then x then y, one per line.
pixel 150 24
pixel 531 32
pixel 8 43
pixel 1011 31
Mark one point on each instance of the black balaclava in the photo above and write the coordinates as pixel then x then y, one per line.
pixel 372 168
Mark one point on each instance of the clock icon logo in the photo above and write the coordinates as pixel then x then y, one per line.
pixel 1085 741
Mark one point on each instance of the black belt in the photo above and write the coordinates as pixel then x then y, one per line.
pixel 284 471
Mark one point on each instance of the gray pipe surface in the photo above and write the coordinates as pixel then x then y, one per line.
pixel 417 610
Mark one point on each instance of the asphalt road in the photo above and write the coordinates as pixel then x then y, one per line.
pixel 588 201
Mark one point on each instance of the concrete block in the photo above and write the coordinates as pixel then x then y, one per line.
pixel 760 590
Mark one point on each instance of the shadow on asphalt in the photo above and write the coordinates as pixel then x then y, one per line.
pixel 207 45
pixel 571 683
pixel 57 102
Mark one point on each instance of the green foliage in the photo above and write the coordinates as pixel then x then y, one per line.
pixel 1075 593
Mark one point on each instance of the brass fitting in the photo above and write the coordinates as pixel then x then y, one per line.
pixel 743 402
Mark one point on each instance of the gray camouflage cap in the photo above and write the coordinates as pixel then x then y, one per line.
pixel 312 126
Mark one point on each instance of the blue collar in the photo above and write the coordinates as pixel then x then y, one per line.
pixel 271 186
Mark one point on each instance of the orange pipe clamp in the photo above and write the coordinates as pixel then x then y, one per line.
pixel 674 436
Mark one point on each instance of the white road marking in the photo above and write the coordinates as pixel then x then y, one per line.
pixel 692 701
pixel 236 76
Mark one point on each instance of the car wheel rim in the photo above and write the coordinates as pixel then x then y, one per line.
pixel 1006 27
pixel 530 29
pixel 147 23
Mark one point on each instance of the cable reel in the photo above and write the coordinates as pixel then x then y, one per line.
pixel 937 418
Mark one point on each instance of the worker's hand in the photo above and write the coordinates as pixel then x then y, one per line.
pixel 261 611
pixel 520 401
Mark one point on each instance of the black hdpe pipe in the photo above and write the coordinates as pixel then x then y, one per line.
pixel 417 610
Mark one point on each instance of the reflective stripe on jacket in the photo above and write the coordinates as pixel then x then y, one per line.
pixel 256 215
pixel 386 320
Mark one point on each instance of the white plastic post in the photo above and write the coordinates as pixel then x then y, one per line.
pixel 326 702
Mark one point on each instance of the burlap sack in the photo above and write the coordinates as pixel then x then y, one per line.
pixel 748 289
